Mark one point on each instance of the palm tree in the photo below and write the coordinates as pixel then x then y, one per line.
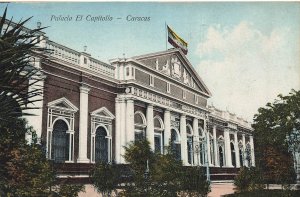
pixel 17 44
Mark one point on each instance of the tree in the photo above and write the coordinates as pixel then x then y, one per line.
pixel 24 169
pixel 16 47
pixel 106 178
pixel 151 174
pixel 273 126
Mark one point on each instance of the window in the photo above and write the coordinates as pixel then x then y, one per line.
pixel 248 155
pixel 101 140
pixel 241 153
pixel 196 99
pixel 158 134
pixel 60 142
pixel 175 144
pixel 151 80
pixel 184 94
pixel 60 130
pixel 127 71
pixel 85 60
pixel 221 148
pixel 168 88
pixel 190 145
pixel 139 125
pixel 233 159
pixel 101 145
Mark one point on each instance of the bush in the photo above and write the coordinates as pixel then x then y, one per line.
pixel 106 178
pixel 249 179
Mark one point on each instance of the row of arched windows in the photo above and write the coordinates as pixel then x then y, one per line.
pixel 62 144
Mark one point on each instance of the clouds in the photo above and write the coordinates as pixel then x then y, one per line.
pixel 245 68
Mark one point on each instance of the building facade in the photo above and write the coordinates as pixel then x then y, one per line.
pixel 90 110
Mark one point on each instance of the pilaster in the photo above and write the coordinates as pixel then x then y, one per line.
pixel 227 148
pixel 237 151
pixel 130 121
pixel 123 128
pixel 118 131
pixel 150 126
pixel 196 142
pixel 252 151
pixel 183 139
pixel 215 145
pixel 83 124
pixel 244 149
pixel 167 131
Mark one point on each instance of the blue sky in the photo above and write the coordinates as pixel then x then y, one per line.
pixel 247 53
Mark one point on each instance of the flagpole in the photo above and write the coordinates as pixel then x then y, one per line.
pixel 166 35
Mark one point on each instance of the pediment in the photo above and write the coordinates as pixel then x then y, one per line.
pixel 63 104
pixel 174 64
pixel 103 112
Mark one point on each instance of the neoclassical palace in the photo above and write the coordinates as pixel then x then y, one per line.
pixel 90 110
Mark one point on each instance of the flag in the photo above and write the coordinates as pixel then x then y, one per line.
pixel 176 41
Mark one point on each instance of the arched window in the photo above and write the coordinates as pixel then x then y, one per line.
pixel 190 144
pixel 101 145
pixel 241 154
pixel 202 145
pixel 221 156
pixel 232 150
pixel 221 152
pixel 60 130
pixel 60 142
pixel 248 155
pixel 158 134
pixel 139 125
pixel 175 144
pixel 101 135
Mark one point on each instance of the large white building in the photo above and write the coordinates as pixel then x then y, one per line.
pixel 90 110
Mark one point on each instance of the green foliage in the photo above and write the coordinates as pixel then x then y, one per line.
pixel 249 179
pixel 16 69
pixel 105 178
pixel 273 127
pixel 24 169
pixel 166 177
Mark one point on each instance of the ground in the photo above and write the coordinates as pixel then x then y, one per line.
pixel 217 189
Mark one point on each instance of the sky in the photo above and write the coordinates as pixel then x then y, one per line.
pixel 246 53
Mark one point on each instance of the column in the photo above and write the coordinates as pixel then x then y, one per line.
pixel 197 154
pixel 130 121
pixel 244 149
pixel 215 145
pixel 183 139
pixel 167 131
pixel 237 150
pixel 150 126
pixel 123 129
pixel 83 124
pixel 208 147
pixel 118 131
pixel 227 148
pixel 252 151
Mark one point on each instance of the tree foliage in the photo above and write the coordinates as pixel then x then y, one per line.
pixel 24 169
pixel 16 46
pixel 273 126
pixel 162 175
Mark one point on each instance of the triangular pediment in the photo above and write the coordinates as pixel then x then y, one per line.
pixel 103 112
pixel 63 104
pixel 174 63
